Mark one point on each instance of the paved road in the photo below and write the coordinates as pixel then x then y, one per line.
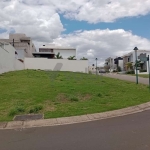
pixel 130 132
pixel 128 78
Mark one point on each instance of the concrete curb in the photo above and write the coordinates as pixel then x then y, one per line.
pixel 74 119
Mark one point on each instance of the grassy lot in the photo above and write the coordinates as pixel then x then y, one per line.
pixel 59 94
pixel 141 75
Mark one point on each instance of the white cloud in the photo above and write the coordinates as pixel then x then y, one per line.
pixel 103 43
pixel 92 11
pixel 40 20
pixel 95 11
pixel 42 23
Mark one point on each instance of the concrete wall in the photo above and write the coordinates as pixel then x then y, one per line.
pixel 21 54
pixel 65 53
pixel 8 61
pixel 57 64
pixel 120 64
pixel 19 65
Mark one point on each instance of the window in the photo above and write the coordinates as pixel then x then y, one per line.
pixel 45 50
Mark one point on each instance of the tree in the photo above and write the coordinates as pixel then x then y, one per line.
pixel 118 68
pixel 129 66
pixel 139 65
pixel 57 56
pixel 71 58
pixel 83 58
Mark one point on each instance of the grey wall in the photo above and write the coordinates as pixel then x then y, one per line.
pixel 8 61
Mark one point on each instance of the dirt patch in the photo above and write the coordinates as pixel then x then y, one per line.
pixel 62 98
pixel 49 106
pixel 84 97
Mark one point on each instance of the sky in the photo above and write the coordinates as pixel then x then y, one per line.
pixel 96 28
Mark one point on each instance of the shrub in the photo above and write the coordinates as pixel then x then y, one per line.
pixel 118 68
pixel 143 70
pixel 99 95
pixel 20 109
pixel 36 109
pixel 13 112
pixel 130 72
pixel 16 110
pixel 75 99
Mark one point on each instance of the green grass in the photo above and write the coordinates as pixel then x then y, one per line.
pixel 59 94
pixel 141 75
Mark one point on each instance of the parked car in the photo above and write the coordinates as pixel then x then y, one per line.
pixel 102 71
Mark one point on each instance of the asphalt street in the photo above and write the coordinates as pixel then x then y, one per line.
pixel 131 132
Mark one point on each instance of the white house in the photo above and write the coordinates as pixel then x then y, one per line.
pixel 111 64
pixel 130 57
pixel 10 59
pixel 50 50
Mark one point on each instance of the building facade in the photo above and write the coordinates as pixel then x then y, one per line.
pixel 131 58
pixel 51 50
pixel 23 44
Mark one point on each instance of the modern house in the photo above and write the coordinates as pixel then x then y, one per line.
pixel 131 58
pixel 118 63
pixel 50 50
pixel 18 52
pixel 23 45
pixel 92 68
pixel 109 64
pixel 112 64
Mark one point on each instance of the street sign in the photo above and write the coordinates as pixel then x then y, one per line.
pixel 143 58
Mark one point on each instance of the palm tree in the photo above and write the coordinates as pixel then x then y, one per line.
pixel 83 58
pixel 139 65
pixel 57 56
pixel 71 58
pixel 129 66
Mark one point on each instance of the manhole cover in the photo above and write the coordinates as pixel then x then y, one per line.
pixel 28 117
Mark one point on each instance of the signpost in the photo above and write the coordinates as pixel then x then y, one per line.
pixel 143 59
pixel 148 70
pixel 146 59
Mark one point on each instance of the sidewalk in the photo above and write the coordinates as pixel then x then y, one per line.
pixel 127 78
pixel 75 119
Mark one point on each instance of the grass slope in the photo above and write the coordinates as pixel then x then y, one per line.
pixel 59 94
pixel 142 75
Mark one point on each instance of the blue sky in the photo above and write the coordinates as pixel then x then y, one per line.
pixel 138 25
pixel 109 28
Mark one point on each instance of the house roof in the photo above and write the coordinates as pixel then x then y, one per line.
pixel 52 46
pixel 25 38
pixel 143 51
pixel 108 58
pixel 43 53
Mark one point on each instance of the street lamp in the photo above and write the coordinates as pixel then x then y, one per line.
pixel 135 49
pixel 96 66
pixel 148 70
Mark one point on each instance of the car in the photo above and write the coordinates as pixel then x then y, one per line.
pixel 102 71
